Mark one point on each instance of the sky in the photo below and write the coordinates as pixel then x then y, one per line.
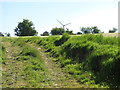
pixel 45 13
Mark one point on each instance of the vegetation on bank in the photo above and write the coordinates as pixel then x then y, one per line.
pixel 22 65
pixel 2 52
pixel 91 59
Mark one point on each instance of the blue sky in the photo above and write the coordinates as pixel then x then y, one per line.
pixel 43 14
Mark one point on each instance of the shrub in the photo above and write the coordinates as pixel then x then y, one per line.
pixel 23 58
pixel 62 40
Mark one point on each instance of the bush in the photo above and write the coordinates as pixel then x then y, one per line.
pixel 29 51
pixel 105 64
pixel 23 58
pixel 62 40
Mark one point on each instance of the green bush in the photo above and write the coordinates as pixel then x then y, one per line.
pixel 78 50
pixel 62 40
pixel 29 51
pixel 23 58
pixel 105 64
pixel 2 54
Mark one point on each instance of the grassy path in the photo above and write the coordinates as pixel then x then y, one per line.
pixel 18 73
pixel 56 75
pixel 53 77
pixel 12 69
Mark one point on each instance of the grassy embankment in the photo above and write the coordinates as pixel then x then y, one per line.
pixel 91 59
pixel 22 66
pixel 25 65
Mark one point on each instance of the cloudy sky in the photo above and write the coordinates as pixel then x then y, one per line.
pixel 43 14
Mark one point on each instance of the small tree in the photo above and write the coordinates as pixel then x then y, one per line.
pixel 95 29
pixel 45 33
pixel 1 34
pixel 83 29
pixel 86 30
pixel 7 34
pixel 57 31
pixel 79 33
pixel 69 32
pixel 25 28
pixel 113 30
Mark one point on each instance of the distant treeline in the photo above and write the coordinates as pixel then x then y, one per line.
pixel 4 34
pixel 25 28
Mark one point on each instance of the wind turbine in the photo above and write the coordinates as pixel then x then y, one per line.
pixel 63 24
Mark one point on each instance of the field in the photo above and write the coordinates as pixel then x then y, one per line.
pixel 111 34
pixel 82 61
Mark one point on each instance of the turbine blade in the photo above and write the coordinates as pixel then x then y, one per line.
pixel 67 24
pixel 60 22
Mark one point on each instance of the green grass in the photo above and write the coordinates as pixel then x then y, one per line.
pixel 88 58
pixel 34 68
pixel 31 66
pixel 91 59
pixel 2 53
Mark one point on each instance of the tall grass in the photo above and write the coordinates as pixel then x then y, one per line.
pixel 2 54
pixel 92 59
pixel 33 70
pixel 89 58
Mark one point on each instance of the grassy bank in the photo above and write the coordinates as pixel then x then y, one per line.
pixel 91 59
pixel 22 65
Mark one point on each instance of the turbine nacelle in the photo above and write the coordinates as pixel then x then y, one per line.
pixel 63 24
